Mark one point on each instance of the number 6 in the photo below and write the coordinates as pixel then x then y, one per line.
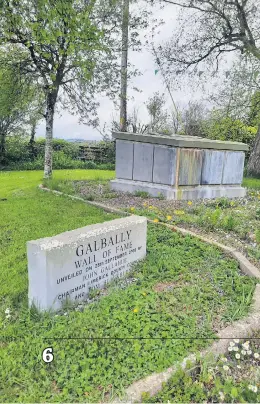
pixel 47 355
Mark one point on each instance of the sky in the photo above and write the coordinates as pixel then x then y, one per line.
pixel 67 126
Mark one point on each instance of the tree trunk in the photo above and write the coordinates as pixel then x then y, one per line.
pixel 253 167
pixel 2 147
pixel 51 101
pixel 32 140
pixel 124 57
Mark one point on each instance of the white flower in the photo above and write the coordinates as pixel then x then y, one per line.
pixel 224 359
pixel 230 348
pixel 236 341
pixel 226 368
pixel 243 352
pixel 7 311
pixel 221 395
pixel 231 344
pixel 256 355
pixel 238 366
pixel 235 348
pixel 65 314
pixel 246 345
pixel 237 356
pixel 252 388
pixel 249 352
pixel 8 316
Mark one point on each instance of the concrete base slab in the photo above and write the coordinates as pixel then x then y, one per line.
pixel 181 193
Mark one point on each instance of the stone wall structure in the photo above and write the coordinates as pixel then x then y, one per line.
pixel 178 167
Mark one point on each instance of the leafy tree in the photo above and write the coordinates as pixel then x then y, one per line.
pixel 62 39
pixel 17 96
pixel 211 30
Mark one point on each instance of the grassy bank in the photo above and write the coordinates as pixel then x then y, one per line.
pixel 174 302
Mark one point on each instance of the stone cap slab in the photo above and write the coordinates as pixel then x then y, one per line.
pixel 74 236
pixel 181 141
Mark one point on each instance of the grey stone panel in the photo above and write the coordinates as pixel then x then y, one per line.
pixel 233 168
pixel 190 166
pixel 164 168
pixel 212 168
pixel 124 159
pixel 143 162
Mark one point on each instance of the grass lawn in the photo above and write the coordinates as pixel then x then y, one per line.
pixel 184 289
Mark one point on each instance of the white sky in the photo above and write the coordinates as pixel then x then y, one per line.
pixel 67 126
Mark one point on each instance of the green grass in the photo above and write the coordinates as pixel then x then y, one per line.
pixel 251 183
pixel 129 333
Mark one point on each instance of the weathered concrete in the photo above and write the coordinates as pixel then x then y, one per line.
pixel 181 193
pixel 190 166
pixel 164 168
pixel 233 168
pixel 124 159
pixel 143 162
pixel 181 141
pixel 69 265
pixel 212 167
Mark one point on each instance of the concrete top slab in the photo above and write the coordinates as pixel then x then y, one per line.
pixel 94 230
pixel 181 141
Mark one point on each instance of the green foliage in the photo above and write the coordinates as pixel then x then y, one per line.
pixel 257 236
pixel 204 284
pixel 215 379
pixel 65 155
pixel 142 194
pixel 226 128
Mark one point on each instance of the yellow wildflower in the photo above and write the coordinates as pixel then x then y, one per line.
pixel 145 203
pixel 179 212
pixel 150 207
pixel 144 294
pixel 132 209
pixel 135 310
pixel 156 220
pixel 169 217
pixel 190 203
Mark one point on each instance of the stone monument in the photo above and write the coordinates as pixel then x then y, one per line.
pixel 178 167
pixel 69 265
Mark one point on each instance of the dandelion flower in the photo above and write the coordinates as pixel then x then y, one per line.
pixel 150 207
pixel 237 356
pixel 135 310
pixel 132 208
pixel 144 294
pixel 256 355
pixel 169 217
pixel 226 368
pixel 156 220
pixel 190 203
